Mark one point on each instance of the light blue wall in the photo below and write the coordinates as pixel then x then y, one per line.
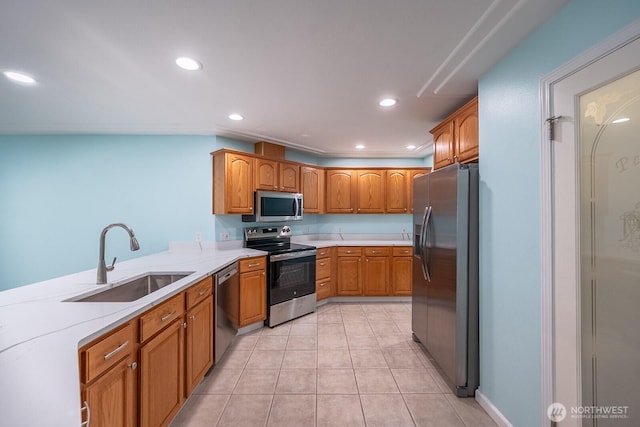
pixel 509 108
pixel 58 192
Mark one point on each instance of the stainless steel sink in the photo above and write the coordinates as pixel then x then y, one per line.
pixel 133 289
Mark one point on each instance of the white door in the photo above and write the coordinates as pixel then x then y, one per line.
pixel 595 170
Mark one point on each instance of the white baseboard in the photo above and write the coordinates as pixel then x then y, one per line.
pixel 490 409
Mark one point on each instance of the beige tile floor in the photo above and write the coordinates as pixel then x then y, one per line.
pixel 347 364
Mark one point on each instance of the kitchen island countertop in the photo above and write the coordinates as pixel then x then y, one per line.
pixel 40 333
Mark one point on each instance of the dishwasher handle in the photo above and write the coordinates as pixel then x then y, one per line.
pixel 226 274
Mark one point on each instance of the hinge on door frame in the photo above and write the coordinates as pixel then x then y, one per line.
pixel 551 121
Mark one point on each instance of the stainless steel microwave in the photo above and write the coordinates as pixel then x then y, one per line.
pixel 272 206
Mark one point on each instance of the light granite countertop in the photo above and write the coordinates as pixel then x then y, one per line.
pixel 41 332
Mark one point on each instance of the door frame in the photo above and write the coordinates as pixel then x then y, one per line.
pixel 593 54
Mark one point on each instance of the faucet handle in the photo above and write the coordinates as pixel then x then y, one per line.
pixel 113 263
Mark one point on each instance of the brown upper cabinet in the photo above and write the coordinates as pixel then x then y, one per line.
pixel 413 174
pixel 341 190
pixel 233 184
pixel 456 138
pixel 398 190
pixel 371 191
pixel 312 186
pixel 236 175
pixel 272 175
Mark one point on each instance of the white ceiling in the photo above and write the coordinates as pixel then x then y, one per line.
pixel 304 73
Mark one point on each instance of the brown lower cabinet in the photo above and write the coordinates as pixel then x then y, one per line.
pixel 141 373
pixel 402 271
pixel 253 291
pixel 110 401
pixel 324 262
pixel 376 270
pixel 199 343
pixel 373 271
pixel 162 376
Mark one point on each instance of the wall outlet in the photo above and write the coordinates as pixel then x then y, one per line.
pixel 198 236
pixel 224 235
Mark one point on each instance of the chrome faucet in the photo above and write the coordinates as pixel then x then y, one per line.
pixel 102 267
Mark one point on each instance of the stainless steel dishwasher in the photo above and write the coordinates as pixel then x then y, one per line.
pixel 227 285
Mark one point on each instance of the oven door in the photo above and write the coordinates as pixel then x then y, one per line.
pixel 291 275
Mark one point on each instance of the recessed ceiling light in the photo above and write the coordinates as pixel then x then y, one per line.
pixel 360 147
pixel 621 120
pixel 188 64
pixel 236 117
pixel 388 102
pixel 19 77
pixel 411 147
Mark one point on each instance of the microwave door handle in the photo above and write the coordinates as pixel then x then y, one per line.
pixel 295 206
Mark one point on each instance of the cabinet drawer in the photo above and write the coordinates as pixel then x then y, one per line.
pixel 323 268
pixel 105 353
pixel 402 251
pixel 253 264
pixel 350 251
pixel 377 251
pixel 156 319
pixel 199 291
pixel 323 289
pixel 323 252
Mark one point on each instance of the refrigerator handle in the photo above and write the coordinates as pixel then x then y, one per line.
pixel 423 243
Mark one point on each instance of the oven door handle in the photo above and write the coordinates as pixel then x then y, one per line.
pixel 291 255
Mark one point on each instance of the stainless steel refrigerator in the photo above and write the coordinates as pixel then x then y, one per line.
pixel 445 272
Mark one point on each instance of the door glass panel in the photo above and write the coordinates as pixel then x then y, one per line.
pixel 609 144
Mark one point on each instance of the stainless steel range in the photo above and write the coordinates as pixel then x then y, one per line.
pixel 291 273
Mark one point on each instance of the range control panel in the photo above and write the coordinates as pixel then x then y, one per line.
pixel 262 232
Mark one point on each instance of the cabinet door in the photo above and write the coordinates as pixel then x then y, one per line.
pixel 266 172
pixel 397 191
pixel 312 189
pixel 111 400
pixel 443 147
pixel 466 132
pixel 238 184
pixel 161 376
pixel 349 276
pixel 199 350
pixel 289 177
pixel 414 173
pixel 401 276
pixel 253 297
pixel 376 275
pixel 371 191
pixel 341 191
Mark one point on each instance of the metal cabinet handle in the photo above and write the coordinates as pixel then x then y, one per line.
pixel 88 410
pixel 168 316
pixel 254 264
pixel 202 292
pixel 322 264
pixel 324 284
pixel 133 366
pixel 193 317
pixel 116 350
